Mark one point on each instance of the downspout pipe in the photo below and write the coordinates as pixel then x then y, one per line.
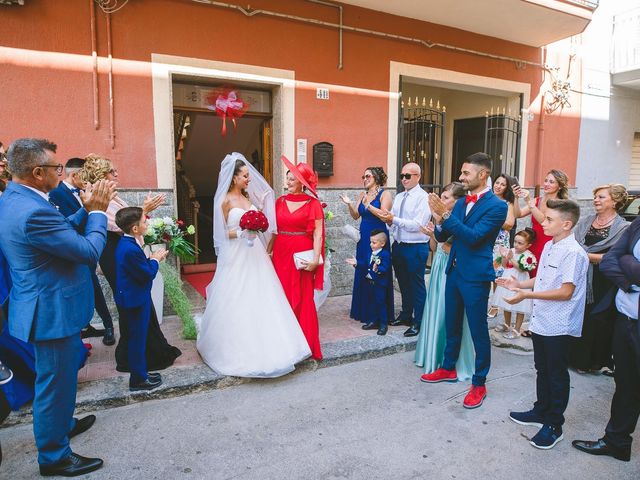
pixel 340 30
pixel 94 57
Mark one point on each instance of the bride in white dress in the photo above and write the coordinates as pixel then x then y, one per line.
pixel 248 328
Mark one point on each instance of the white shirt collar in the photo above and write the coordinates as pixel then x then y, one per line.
pixel 39 192
pixel 69 186
pixel 480 194
pixel 375 252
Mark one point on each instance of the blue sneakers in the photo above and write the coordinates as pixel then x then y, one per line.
pixel 527 418
pixel 547 437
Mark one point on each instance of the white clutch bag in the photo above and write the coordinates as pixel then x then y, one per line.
pixel 304 256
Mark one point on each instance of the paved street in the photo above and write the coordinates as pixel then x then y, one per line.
pixel 366 420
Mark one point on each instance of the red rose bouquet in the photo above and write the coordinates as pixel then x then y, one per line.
pixel 527 262
pixel 253 221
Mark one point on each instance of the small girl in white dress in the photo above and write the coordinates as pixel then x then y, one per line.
pixel 517 263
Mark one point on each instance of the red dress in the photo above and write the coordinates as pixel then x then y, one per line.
pixel 541 239
pixel 295 234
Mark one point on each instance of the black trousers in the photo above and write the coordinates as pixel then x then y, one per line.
pixel 625 406
pixel 551 359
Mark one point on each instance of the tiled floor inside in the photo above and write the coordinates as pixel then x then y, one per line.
pixel 335 325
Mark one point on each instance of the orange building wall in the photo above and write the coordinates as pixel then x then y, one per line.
pixel 57 102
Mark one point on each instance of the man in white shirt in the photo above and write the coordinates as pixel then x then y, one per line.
pixel 410 248
pixel 622 266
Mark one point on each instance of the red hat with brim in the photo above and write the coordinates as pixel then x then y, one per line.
pixel 304 173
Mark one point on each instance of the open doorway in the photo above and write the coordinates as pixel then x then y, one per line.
pixel 201 145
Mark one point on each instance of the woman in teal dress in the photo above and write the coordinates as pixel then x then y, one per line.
pixel 432 339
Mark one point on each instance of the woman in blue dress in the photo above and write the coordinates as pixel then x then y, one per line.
pixel 375 195
pixel 432 338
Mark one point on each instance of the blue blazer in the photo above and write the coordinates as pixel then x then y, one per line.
pixel 474 236
pixel 382 276
pixel 52 293
pixel 64 199
pixel 134 274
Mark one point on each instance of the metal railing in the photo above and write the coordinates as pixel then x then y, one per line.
pixel 626 41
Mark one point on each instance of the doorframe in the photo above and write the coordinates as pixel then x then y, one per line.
pixel 164 67
pixel 454 81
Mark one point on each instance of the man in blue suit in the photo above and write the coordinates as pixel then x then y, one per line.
pixel 51 299
pixel 66 196
pixel 474 224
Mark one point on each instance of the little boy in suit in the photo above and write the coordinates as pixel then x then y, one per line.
pixel 378 278
pixel 559 292
pixel 134 276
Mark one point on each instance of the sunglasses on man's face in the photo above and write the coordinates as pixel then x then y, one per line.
pixel 407 176
pixel 367 176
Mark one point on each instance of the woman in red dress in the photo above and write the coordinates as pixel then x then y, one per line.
pixel 555 186
pixel 300 222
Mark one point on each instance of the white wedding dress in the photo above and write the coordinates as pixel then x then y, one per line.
pixel 248 328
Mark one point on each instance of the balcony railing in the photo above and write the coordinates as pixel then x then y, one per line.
pixel 592 4
pixel 626 41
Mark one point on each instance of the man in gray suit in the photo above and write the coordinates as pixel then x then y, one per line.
pixel 52 295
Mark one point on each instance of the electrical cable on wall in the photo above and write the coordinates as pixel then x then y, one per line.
pixel 111 6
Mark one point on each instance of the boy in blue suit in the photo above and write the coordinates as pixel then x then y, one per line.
pixel 474 224
pixel 378 278
pixel 134 276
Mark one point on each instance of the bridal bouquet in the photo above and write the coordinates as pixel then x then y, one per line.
pixel 253 221
pixel 171 232
pixel 527 262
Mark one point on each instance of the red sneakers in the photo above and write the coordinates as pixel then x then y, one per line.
pixel 440 375
pixel 475 397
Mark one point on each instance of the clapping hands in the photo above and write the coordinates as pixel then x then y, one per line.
pixel 428 229
pixel 152 202
pixel 345 199
pixel 96 197
pixel 159 255
pixel 437 206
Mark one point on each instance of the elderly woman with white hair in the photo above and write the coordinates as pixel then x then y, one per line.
pixel 597 233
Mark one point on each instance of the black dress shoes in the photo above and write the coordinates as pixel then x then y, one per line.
pixel 412 331
pixel 154 376
pixel 369 326
pixel 400 321
pixel 149 384
pixel 82 425
pixel 600 447
pixel 72 466
pixel 92 332
pixel 109 338
pixel 382 330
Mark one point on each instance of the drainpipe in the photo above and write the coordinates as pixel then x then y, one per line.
pixel 112 134
pixel 339 7
pixel 94 56
pixel 537 170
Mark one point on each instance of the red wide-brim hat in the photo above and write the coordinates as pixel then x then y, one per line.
pixel 304 173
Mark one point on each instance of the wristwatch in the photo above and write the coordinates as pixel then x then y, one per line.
pixel 446 215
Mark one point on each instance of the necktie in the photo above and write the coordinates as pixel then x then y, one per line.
pixel 75 190
pixel 471 198
pixel 404 199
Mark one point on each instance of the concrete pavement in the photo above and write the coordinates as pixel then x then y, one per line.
pixel 366 420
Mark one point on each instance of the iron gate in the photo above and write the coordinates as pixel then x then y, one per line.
pixel 502 142
pixel 421 140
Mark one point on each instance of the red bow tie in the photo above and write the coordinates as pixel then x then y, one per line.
pixel 471 198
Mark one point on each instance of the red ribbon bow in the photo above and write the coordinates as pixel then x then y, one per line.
pixel 471 198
